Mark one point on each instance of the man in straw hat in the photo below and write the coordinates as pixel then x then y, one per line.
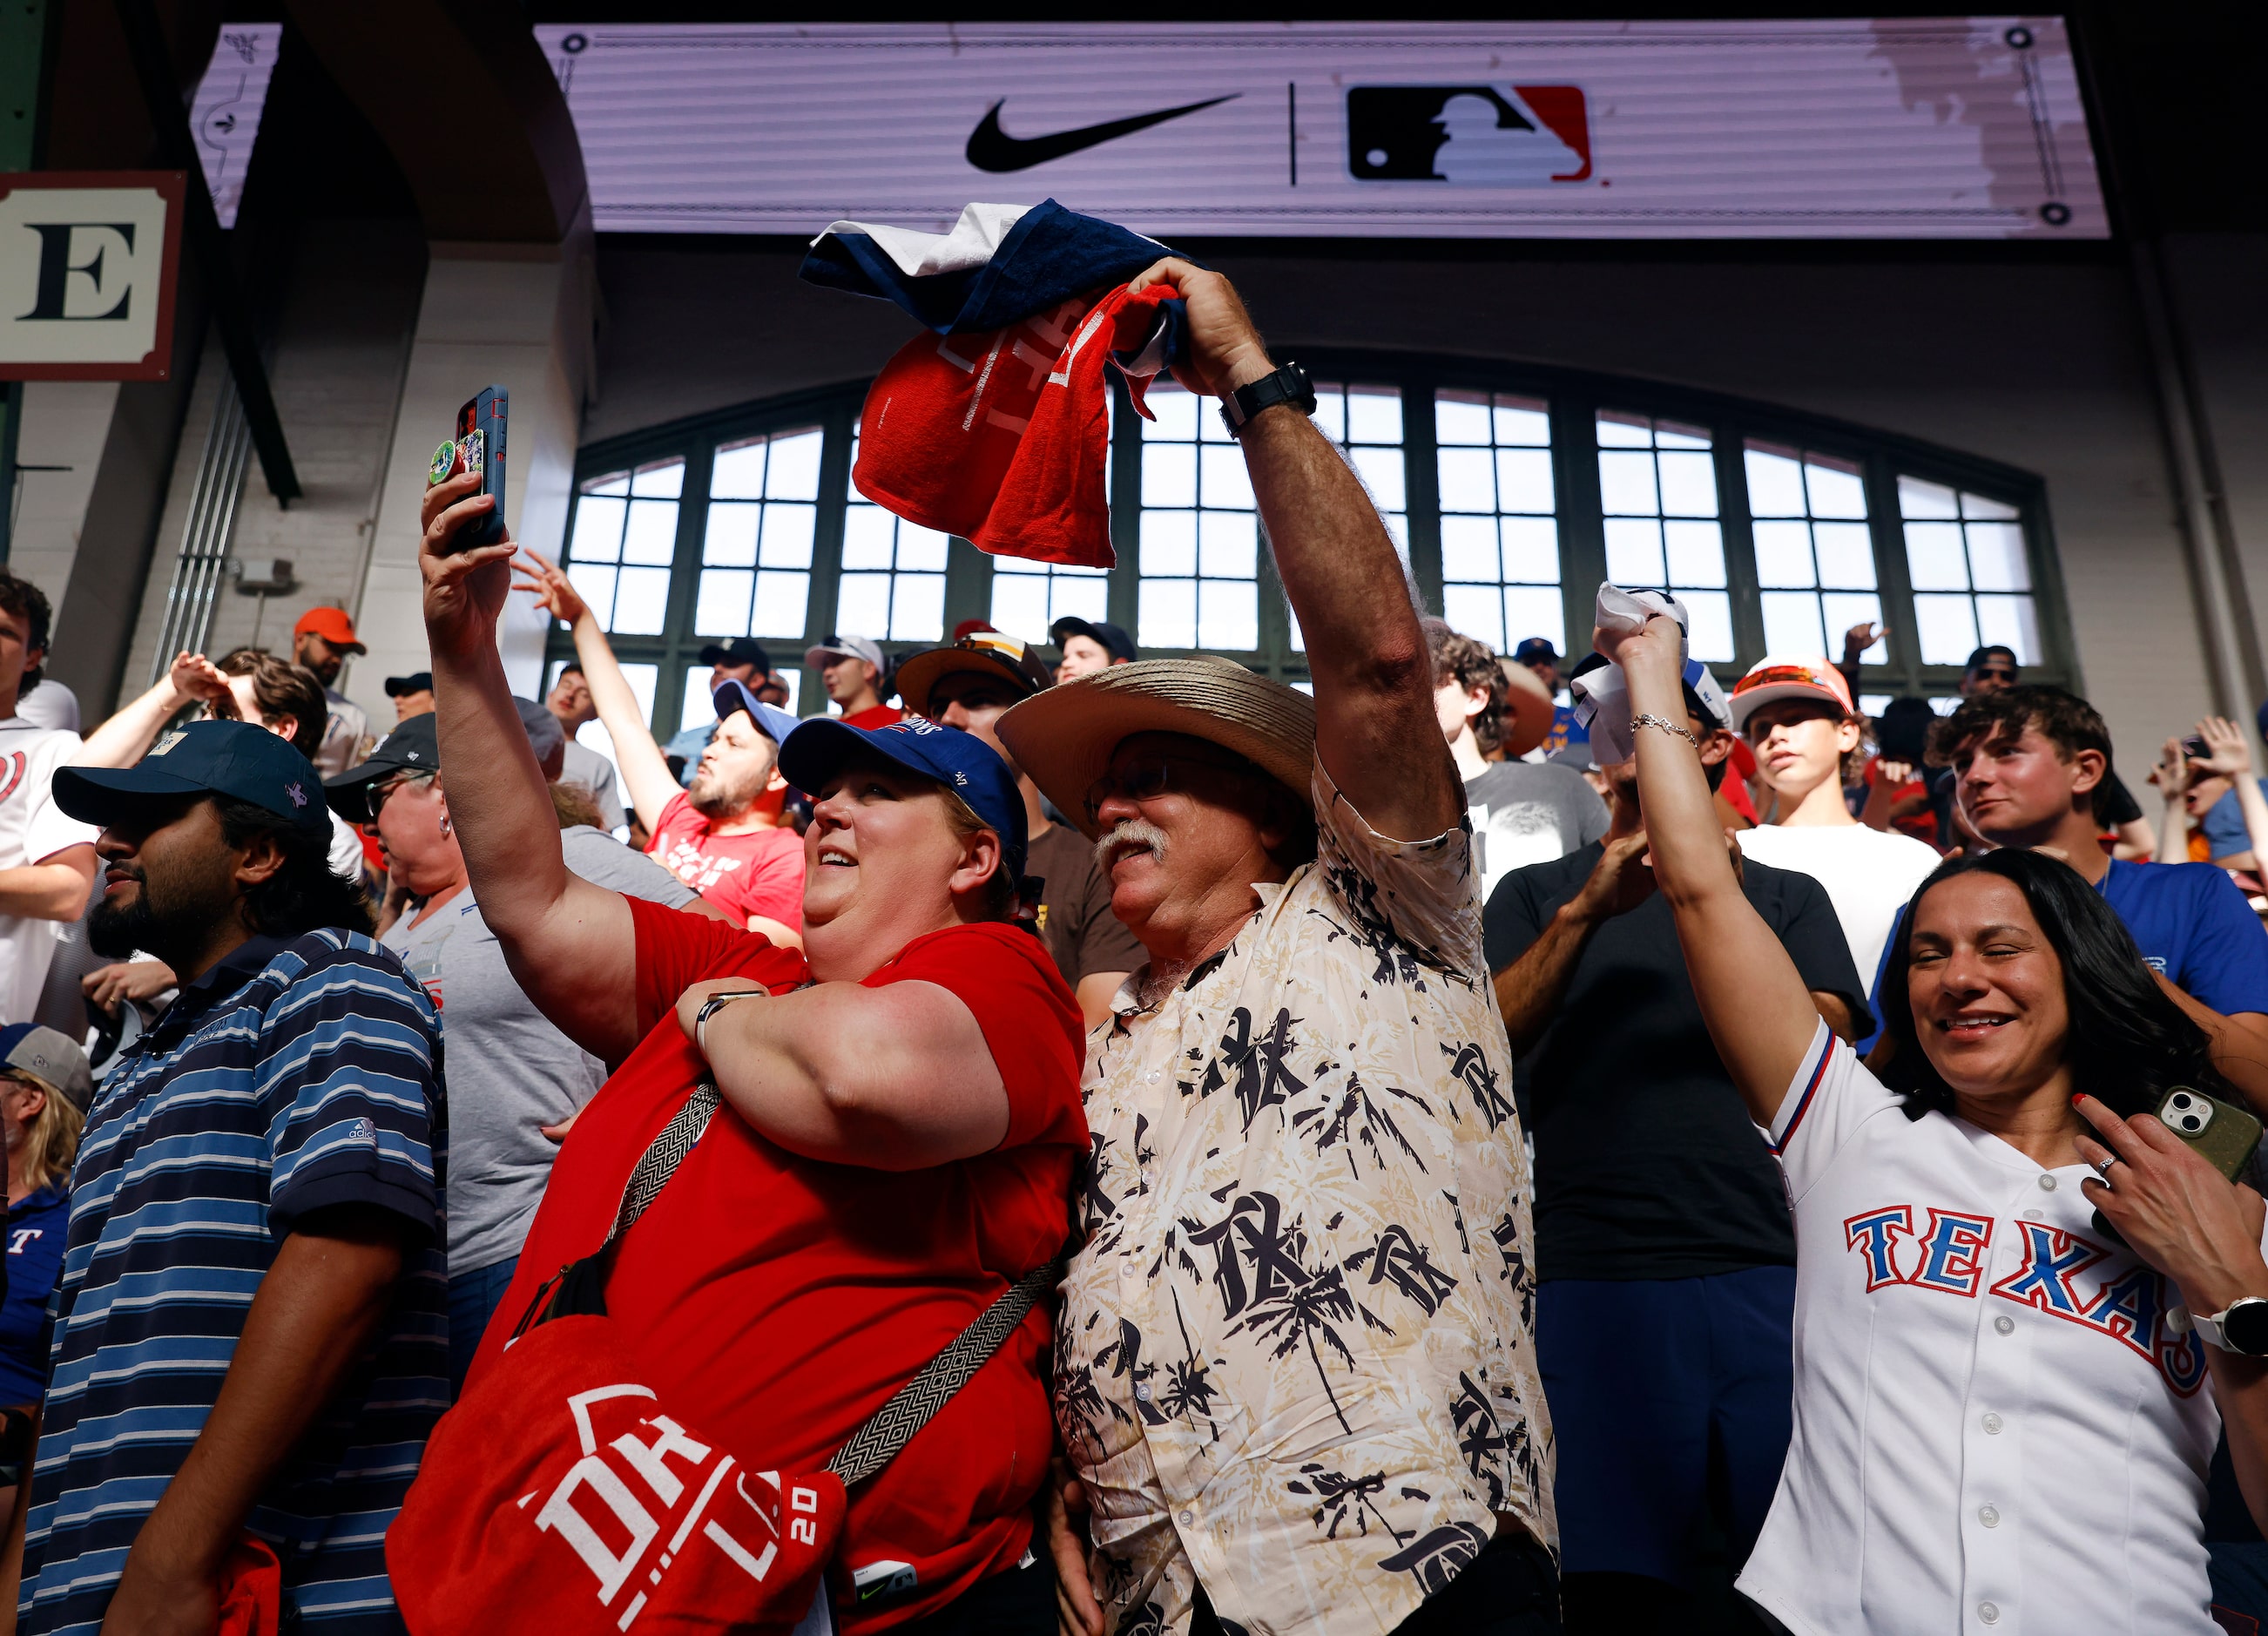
pixel 1294 1369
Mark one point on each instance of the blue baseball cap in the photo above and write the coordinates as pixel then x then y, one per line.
pixel 231 758
pixel 961 761
pixel 773 722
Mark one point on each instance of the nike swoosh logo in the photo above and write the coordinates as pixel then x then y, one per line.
pixel 994 150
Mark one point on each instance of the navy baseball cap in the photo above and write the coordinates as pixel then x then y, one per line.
pixel 773 722
pixel 231 758
pixel 739 651
pixel 1112 639
pixel 961 761
pixel 1535 651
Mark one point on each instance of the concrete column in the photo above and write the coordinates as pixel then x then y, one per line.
pixel 66 424
pixel 518 316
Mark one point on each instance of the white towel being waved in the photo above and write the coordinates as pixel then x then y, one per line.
pixel 1601 692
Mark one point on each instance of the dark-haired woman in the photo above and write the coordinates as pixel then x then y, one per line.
pixel 2003 1414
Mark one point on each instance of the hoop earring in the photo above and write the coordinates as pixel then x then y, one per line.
pixel 446 827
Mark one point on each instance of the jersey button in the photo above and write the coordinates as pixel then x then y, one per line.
pixel 1990 1516
pixel 2033 1215
pixel 1989 1611
pixel 1992 1425
pixel 2006 1325
pixel 2047 1186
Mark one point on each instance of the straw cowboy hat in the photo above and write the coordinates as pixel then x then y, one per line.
pixel 1064 738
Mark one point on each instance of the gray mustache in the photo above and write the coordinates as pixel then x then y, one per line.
pixel 1127 835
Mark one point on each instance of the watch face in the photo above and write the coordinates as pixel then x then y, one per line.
pixel 2246 1328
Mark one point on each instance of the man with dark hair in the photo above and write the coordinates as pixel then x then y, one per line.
pixel 971 685
pixel 2033 765
pixel 743 660
pixel 1522 812
pixel 270 1361
pixel 47 861
pixel 1088 645
pixel 1668 1265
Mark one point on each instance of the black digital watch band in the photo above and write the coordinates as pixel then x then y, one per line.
pixel 1288 384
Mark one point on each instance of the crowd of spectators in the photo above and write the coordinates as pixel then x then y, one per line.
pixel 1327 1160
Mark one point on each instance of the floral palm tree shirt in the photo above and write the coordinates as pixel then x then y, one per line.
pixel 1295 1361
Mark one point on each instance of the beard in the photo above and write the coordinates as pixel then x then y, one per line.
pixel 167 917
pixel 720 796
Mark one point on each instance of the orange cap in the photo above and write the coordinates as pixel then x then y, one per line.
pixel 1770 679
pixel 332 625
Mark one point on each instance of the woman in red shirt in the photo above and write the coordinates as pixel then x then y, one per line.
pixel 907 1118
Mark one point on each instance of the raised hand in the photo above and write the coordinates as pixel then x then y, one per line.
pixel 465 589
pixel 2171 775
pixel 553 590
pixel 2178 1212
pixel 1619 881
pixel 195 676
pixel 2228 752
pixel 1861 636
pixel 1224 350
pixel 1655 646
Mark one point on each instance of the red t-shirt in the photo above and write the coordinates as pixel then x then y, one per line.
pixel 760 873
pixel 880 716
pixel 778 1301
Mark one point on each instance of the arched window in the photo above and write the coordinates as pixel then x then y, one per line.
pixel 1511 490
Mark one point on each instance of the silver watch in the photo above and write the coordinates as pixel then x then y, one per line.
pixel 2241 1327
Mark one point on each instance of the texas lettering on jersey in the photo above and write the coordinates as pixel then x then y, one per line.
pixel 2062 1275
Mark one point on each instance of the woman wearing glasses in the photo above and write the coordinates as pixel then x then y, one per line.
pixel 2023 1310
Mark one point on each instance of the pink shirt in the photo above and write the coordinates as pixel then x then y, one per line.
pixel 760 873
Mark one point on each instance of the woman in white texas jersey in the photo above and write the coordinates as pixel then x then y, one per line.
pixel 2003 1415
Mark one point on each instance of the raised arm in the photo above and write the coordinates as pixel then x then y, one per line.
pixel 1759 1013
pixel 1375 724
pixel 897 1077
pixel 126 738
pixel 569 944
pixel 645 769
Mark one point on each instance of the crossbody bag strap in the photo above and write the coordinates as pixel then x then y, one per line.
pixel 878 1442
pixel 661 1160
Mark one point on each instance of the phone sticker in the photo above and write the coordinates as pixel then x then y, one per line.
pixel 444 463
pixel 474 446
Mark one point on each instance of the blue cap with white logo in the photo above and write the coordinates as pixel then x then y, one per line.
pixel 773 722
pixel 962 762
pixel 231 758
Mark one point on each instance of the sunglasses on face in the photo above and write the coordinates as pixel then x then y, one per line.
pixel 1147 780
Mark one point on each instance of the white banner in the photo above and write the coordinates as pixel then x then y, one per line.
pixel 1961 128
pixel 226 109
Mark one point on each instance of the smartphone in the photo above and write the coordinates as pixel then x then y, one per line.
pixel 480 448
pixel 2222 1134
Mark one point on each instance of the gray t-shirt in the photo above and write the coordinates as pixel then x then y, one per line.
pixel 595 773
pixel 1529 813
pixel 510 1072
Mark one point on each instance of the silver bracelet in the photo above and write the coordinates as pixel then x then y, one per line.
pixel 714 1004
pixel 1649 720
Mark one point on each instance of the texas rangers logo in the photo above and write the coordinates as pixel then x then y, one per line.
pixel 2121 1298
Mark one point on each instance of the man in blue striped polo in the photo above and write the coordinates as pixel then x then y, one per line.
pixel 251 1332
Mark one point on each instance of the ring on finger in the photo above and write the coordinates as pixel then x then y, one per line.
pixel 2102 1167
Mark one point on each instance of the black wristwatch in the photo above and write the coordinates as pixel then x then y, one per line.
pixel 1288 384
pixel 2240 1327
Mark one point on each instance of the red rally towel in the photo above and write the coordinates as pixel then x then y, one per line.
pixel 1000 437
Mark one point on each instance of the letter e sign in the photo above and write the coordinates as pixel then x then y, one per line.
pixel 88 260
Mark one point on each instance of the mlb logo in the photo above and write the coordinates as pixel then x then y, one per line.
pixel 1469 135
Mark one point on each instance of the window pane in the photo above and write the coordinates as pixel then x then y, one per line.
pixel 1228 544
pixel 1531 551
pixel 1618 430
pixel 1711 637
pixel 917 609
pixel 1783 554
pixel 1846 555
pixel 1468 549
pixel 921 549
pixel 1168 613
pixel 662 481
pixel 1079 596
pixel 1792 625
pixel 738 473
pixel 1373 415
pixel 1382 475
pixel 594 583
pixel 1836 490
pixel 1775 482
pixel 1626 484
pixel 696 705
pixel 783 602
pixel 615 485
pixel 1468 479
pixel 722 608
pixel 1461 417
pixel 862 604
pixel 1996 557
pixel 787 534
pixel 1169 543
pixel 793 471
pixel 1223 480
pixel 1523 481
pixel 1477 610
pixel 2011 621
pixel 1689 484
pixel 1976 508
pixel 1696 552
pixel 1019 606
pixel 1634 552
pixel 1228 615
pixel 641 598
pixel 643 680
pixel 729 540
pixel 597 530
pixel 1174 415
pixel 1521 423
pixel 1839 611
pixel 1169 473
pixel 1934 559
pixel 1919 501
pixel 1669 435
pixel 652 534
pixel 1330 412
pixel 869 537
pixel 1534 611
pixel 1947 627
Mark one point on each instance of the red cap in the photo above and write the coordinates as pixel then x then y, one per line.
pixel 332 625
pixel 1770 679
